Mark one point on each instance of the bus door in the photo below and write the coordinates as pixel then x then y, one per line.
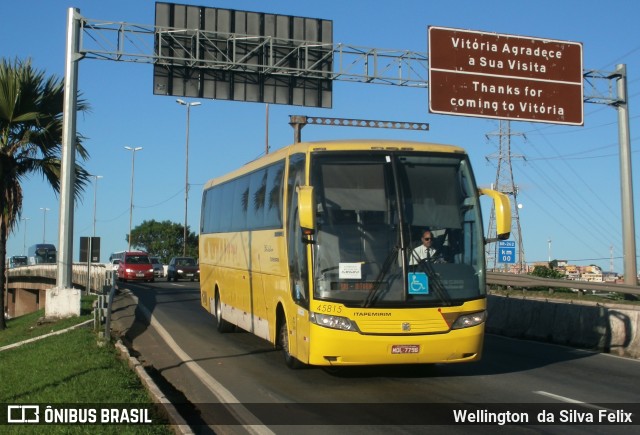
pixel 298 254
pixel 243 288
pixel 298 267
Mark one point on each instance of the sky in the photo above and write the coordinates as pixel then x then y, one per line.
pixel 568 177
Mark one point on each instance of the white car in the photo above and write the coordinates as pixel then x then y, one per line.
pixel 114 265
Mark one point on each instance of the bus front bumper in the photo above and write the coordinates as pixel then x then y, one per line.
pixel 330 347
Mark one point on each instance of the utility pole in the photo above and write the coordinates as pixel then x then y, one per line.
pixel 133 159
pixel 186 172
pixel 626 184
pixel 44 223
pixel 95 200
pixel 24 241
pixel 611 259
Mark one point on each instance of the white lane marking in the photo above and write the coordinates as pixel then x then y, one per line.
pixel 569 400
pixel 249 421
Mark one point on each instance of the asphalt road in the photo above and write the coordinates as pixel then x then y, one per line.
pixel 237 383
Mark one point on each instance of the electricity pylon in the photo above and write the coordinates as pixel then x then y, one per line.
pixel 505 184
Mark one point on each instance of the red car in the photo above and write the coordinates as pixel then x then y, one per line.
pixel 135 266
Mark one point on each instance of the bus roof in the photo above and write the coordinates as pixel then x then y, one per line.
pixel 39 246
pixel 336 145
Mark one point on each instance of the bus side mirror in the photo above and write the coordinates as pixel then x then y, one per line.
pixel 502 207
pixel 307 209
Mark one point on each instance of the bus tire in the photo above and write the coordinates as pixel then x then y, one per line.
pixel 283 344
pixel 221 324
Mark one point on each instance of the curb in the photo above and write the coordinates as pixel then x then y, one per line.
pixel 178 423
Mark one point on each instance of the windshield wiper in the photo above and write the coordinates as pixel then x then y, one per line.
pixel 435 282
pixel 375 291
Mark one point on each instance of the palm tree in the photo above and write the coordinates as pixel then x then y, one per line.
pixel 31 107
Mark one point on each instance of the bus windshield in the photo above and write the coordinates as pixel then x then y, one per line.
pixel 18 260
pixel 372 210
pixel 42 253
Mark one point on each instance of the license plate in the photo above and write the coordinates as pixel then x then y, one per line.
pixel 139 275
pixel 189 274
pixel 405 348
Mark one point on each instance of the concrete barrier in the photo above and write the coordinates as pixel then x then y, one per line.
pixel 62 302
pixel 603 327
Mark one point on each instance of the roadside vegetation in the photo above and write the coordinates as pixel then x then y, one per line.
pixel 73 367
pixel 164 239
pixel 32 325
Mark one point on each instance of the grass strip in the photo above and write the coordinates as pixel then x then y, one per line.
pixel 69 368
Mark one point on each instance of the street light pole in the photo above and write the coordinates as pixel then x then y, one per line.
pixel 24 241
pixel 186 172
pixel 95 200
pixel 44 223
pixel 90 254
pixel 133 155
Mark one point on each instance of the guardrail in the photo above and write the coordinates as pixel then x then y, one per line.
pixel 526 281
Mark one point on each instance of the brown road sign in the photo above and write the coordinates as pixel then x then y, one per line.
pixel 504 76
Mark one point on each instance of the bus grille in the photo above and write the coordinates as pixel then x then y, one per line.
pixel 379 326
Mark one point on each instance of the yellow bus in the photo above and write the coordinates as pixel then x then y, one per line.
pixel 310 248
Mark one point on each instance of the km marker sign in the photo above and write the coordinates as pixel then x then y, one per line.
pixel 504 76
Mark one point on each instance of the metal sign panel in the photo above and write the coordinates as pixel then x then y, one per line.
pixel 236 55
pixel 504 76
pixel 506 252
pixel 90 244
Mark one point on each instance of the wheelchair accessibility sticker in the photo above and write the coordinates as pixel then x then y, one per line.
pixel 418 283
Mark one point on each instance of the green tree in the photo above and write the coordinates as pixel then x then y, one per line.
pixel 547 272
pixel 31 107
pixel 164 239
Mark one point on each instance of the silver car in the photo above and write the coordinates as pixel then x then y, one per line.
pixel 158 268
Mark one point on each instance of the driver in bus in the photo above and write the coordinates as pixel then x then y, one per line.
pixel 426 251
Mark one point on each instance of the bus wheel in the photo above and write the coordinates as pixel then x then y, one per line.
pixel 283 343
pixel 221 324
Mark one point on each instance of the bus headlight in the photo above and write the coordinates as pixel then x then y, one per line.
pixel 469 320
pixel 333 322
